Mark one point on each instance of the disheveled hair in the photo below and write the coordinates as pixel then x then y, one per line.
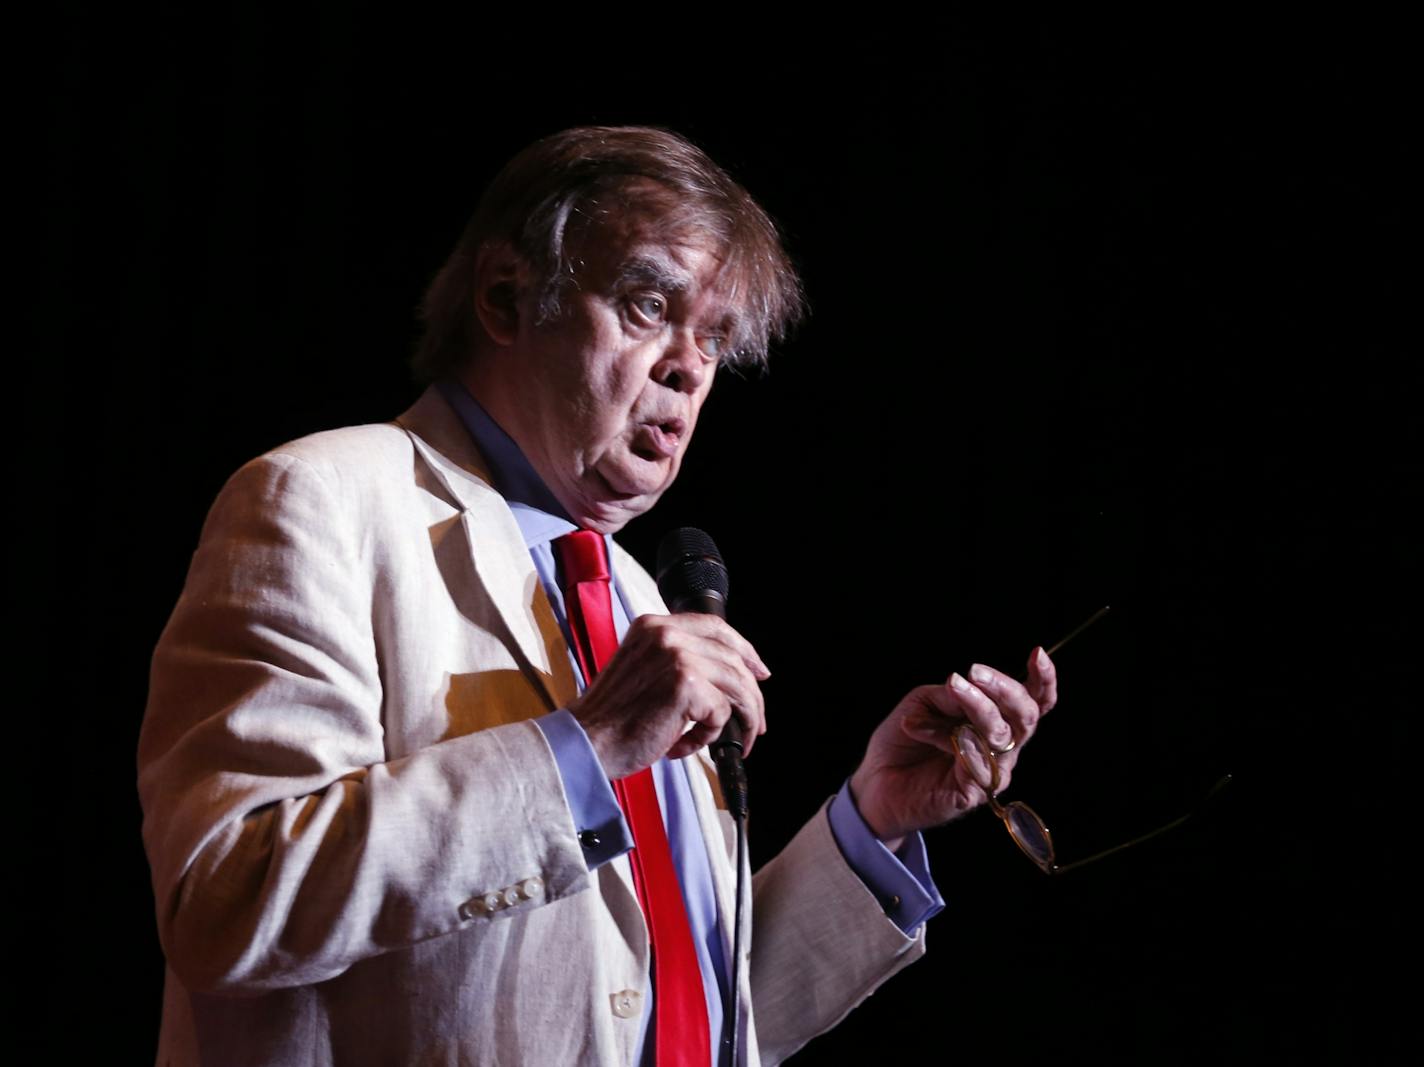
pixel 547 193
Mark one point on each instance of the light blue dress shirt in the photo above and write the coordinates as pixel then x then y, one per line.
pixel 900 880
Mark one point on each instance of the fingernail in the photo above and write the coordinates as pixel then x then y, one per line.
pixel 1042 658
pixel 956 682
pixel 981 674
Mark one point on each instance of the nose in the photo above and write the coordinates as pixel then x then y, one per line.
pixel 682 366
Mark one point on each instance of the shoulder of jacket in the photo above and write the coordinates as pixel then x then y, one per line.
pixel 374 441
pixel 345 456
pixel 332 469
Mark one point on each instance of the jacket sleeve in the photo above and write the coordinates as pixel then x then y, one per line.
pixel 285 845
pixel 823 943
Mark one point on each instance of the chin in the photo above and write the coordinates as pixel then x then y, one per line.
pixel 607 516
pixel 607 510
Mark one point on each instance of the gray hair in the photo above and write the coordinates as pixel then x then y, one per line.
pixel 557 186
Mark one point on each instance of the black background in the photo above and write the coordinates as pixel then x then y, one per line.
pixel 1100 314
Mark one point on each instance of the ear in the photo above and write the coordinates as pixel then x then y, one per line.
pixel 501 284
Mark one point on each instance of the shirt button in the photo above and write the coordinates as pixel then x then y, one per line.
pixel 531 887
pixel 627 1003
pixel 491 901
pixel 590 839
pixel 511 896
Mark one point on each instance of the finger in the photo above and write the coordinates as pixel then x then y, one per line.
pixel 935 722
pixel 701 735
pixel 1018 707
pixel 981 711
pixel 730 673
pixel 712 628
pixel 938 702
pixel 739 692
pixel 732 677
pixel 1042 680
pixel 749 732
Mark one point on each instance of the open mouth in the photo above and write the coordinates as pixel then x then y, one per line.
pixel 658 440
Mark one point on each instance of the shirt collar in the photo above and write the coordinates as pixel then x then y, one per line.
pixel 538 512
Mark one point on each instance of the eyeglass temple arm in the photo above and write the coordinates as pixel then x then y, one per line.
pixel 1094 617
pixel 1221 784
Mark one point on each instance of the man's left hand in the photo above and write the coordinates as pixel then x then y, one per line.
pixel 910 780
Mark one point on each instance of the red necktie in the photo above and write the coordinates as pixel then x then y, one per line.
pixel 682 1034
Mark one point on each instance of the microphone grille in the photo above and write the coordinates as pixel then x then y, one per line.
pixel 688 562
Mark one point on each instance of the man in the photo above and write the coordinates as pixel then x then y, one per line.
pixel 397 775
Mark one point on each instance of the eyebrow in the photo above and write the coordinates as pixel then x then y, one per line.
pixel 666 276
pixel 658 273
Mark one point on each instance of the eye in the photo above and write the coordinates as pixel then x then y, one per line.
pixel 651 308
pixel 712 347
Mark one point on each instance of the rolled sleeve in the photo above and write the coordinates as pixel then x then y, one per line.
pixel 900 880
pixel 602 830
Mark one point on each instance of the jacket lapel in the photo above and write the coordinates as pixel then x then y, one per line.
pixel 496 544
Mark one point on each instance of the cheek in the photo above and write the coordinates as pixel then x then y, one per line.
pixel 614 384
pixel 604 417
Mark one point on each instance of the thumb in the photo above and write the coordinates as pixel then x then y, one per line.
pixel 928 728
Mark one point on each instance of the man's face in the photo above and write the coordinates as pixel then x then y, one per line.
pixel 603 400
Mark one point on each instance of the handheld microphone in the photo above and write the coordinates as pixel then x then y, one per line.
pixel 692 577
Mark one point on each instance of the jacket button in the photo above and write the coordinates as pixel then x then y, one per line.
pixel 531 887
pixel 590 839
pixel 483 904
pixel 627 1003
pixel 511 896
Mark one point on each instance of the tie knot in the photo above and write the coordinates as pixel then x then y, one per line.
pixel 584 555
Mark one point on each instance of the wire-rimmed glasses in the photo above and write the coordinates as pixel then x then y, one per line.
pixel 1029 832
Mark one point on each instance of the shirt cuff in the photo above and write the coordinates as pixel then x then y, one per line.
pixel 900 880
pixel 602 831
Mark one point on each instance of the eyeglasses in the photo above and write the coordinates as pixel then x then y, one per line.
pixel 1029 832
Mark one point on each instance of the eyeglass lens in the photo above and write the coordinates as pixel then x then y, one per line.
pixel 1030 833
pixel 1026 827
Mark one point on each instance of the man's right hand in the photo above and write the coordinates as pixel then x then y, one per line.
pixel 669 671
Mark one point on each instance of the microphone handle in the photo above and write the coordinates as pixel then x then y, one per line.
pixel 727 749
pixel 727 755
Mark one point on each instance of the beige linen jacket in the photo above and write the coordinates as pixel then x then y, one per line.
pixel 338 764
